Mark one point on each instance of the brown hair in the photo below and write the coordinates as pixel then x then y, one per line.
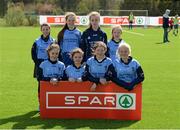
pixel 61 33
pixel 99 44
pixel 45 24
pixel 76 50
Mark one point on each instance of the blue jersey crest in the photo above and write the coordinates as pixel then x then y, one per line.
pixel 52 70
pixel 126 72
pixel 74 72
pixel 41 47
pixel 98 69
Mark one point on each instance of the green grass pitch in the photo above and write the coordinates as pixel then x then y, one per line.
pixel 161 88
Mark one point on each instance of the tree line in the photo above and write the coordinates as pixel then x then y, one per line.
pixel 83 7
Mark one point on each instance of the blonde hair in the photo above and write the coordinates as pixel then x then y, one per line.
pixel 99 44
pixel 126 45
pixel 76 50
pixel 116 27
pixel 52 46
pixel 93 13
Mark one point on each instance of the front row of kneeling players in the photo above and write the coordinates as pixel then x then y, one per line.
pixel 125 71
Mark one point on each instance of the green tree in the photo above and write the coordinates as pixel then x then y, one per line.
pixel 108 6
pixel 82 8
pixel 15 14
pixel 125 102
pixel 86 6
pixel 3 7
pixel 93 5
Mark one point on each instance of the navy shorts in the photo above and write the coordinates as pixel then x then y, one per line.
pixel 176 26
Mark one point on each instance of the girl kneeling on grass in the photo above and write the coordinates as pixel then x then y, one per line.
pixel 129 71
pixel 52 69
pixel 99 67
pixel 75 72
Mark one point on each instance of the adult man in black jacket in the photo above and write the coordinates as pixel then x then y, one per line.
pixel 166 25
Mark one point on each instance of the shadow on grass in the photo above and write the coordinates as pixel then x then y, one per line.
pixel 159 43
pixel 33 119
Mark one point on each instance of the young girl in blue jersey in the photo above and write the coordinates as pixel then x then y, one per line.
pixel 98 66
pixel 129 71
pixel 75 72
pixel 69 38
pixel 38 51
pixel 52 69
pixel 115 41
pixel 92 34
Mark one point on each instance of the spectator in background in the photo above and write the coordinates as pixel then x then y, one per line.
pixel 176 24
pixel 171 24
pixel 166 25
pixel 131 19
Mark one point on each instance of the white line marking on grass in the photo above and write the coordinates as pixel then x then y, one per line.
pixel 140 34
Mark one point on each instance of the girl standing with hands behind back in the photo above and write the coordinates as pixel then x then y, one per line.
pixel 69 38
pixel 92 35
pixel 38 50
pixel 115 41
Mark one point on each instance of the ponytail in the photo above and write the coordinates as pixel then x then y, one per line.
pixel 61 33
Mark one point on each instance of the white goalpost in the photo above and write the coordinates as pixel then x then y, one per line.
pixel 139 13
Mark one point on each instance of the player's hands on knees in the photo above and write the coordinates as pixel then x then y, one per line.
pixel 71 79
pixel 93 87
pixel 54 81
pixel 103 81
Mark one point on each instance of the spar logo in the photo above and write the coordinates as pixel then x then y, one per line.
pixel 126 101
pixel 90 100
pixel 139 20
pixel 84 20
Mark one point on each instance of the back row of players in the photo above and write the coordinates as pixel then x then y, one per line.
pixel 89 56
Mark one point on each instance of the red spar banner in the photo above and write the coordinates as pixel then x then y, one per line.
pixel 58 20
pixel 116 20
pixel 75 100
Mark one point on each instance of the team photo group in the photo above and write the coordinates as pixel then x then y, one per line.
pixel 86 56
